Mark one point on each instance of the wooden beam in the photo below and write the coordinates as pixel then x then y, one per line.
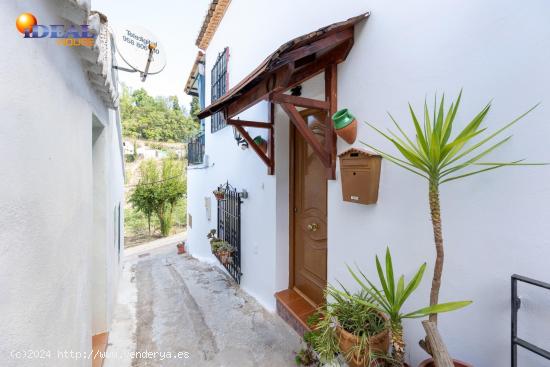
pixel 312 48
pixel 271 139
pixel 301 101
pixel 439 350
pixel 335 56
pixel 331 97
pixel 253 145
pixel 304 130
pixel 245 123
pixel 275 83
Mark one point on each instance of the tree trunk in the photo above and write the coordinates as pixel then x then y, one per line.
pixel 149 223
pixel 397 345
pixel 435 210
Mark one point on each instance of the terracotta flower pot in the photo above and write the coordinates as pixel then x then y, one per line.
pixel 345 125
pixel 430 363
pixel 225 257
pixel 261 143
pixel 181 248
pixel 219 195
pixel 379 343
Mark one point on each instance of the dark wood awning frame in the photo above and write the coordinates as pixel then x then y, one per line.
pixel 292 64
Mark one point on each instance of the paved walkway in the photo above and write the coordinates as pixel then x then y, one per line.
pixel 169 303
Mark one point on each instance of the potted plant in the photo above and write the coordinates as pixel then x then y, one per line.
pixel 225 250
pixel 345 125
pixel 261 142
pixel 439 156
pixel 344 325
pixel 390 297
pixel 219 194
pixel 181 247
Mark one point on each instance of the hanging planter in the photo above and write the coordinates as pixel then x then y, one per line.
pixel 219 194
pixel 261 142
pixel 345 125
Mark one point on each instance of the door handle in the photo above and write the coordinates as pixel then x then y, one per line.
pixel 312 227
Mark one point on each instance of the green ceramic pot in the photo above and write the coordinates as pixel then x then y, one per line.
pixel 342 118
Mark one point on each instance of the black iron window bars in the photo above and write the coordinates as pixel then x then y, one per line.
pixel 516 304
pixel 229 226
pixel 219 82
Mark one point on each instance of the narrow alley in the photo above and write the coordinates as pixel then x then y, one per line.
pixel 191 314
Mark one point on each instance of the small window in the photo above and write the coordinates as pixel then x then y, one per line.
pixel 220 82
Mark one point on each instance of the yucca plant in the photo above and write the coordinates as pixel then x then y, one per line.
pixel 390 298
pixel 440 156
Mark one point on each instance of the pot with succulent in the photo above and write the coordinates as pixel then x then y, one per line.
pixel 351 328
pixel 221 248
pixel 439 156
pixel 224 250
pixel 390 298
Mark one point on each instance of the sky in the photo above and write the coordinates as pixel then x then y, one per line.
pixel 176 24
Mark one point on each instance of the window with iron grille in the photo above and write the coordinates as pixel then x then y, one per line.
pixel 220 82
pixel 195 149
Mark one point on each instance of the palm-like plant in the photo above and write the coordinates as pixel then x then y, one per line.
pixel 391 298
pixel 439 157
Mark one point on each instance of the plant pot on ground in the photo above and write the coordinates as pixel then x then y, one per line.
pixel 348 327
pixel 390 297
pixel 345 125
pixel 181 248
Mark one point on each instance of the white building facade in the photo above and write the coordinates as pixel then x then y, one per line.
pixel 62 205
pixel 494 224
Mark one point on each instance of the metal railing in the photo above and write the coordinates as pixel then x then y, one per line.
pixel 516 304
pixel 229 227
pixel 195 150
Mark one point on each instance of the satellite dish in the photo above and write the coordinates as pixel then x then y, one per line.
pixel 141 50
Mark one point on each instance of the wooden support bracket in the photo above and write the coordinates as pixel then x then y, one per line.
pixel 253 145
pixel 245 123
pixel 301 101
pixel 331 98
pixel 302 127
pixel 269 158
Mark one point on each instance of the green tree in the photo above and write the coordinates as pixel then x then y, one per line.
pixel 195 108
pixel 158 191
pixel 439 156
pixel 144 196
pixel 170 190
pixel 154 118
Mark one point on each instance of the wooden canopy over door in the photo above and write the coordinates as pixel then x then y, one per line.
pixel 290 65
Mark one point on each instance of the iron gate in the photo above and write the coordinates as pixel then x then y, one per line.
pixel 516 304
pixel 229 227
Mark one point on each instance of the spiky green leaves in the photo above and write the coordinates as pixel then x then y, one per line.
pixel 438 156
pixel 392 295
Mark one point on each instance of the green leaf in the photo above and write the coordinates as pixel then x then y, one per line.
pixel 385 287
pixel 439 308
pixel 419 132
pixel 389 274
pixel 481 171
pixel 413 284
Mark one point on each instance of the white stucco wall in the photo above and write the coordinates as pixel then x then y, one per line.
pixel 494 224
pixel 46 194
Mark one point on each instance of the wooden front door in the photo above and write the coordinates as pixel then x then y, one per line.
pixel 308 207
